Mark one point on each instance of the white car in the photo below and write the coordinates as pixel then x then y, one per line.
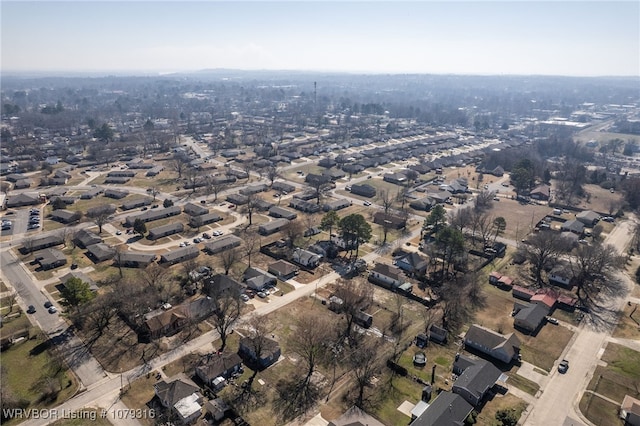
pixel 367 203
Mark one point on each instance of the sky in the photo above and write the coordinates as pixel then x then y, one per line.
pixel 574 38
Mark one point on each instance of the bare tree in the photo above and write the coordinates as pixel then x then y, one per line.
pixel 229 258
pixel 543 250
pixel 250 206
pixel 154 276
pixel 258 341
pixel 100 216
pixel 309 340
pixel 193 178
pixel 214 186
pixel 364 362
pixel 293 230
pixel 178 164
pixel 272 174
pixel 226 315
pixel 356 296
pixel 595 267
pixel 251 244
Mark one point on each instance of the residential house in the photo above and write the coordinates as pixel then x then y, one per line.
pixel 195 209
pixel 20 200
pixel 205 219
pixel 182 398
pixel 505 348
pixel 84 238
pixel 529 317
pixel 179 255
pixel 269 350
pixel 475 381
pixel 254 189
pixel 238 199
pixel 221 284
pixel 438 334
pixel 39 243
pixel 303 205
pixel 118 180
pixel 283 187
pixel 121 173
pixel 588 217
pixel 412 263
pixel 336 205
pixel 166 322
pixel 134 259
pixel 546 297
pixel 391 220
pixel 561 276
pixel 115 194
pixel 630 411
pixel 50 258
pixel 396 178
pixel 306 258
pixel 363 190
pixel 522 293
pixel 281 212
pixel 93 192
pixel 80 275
pixel 500 280
pixel 218 365
pixel 355 416
pixel 283 270
pixel 154 214
pixel 165 230
pixel 386 276
pixel 65 216
pixel 423 204
pixel 541 192
pixel 134 204
pixel 448 409
pixel 273 226
pixel 100 252
pixel 257 279
pixel 575 226
pixel 222 244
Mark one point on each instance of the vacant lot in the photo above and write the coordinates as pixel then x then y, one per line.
pixel 628 326
pixel 621 376
pixel 600 411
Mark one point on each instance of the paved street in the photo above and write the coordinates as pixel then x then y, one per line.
pixel 559 401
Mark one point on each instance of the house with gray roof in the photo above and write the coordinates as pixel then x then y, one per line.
pixel 474 383
pixel 283 269
pixel 65 216
pixel 39 243
pixel 50 258
pixel 448 409
pixel 306 258
pixel 165 230
pixel 281 212
pixel 222 244
pixel 84 238
pixel 205 219
pixel 529 317
pixel 257 279
pixel 134 259
pixel 154 214
pixel 195 210
pixel 100 252
pixel 588 217
pixel 20 200
pixel 179 255
pixel 134 204
pixel 273 226
pixel 505 348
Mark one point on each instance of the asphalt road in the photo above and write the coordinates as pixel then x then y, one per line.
pixel 559 401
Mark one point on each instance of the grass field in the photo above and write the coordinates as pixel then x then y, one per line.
pixel 600 411
pixel 45 374
pixel 487 416
pixel 621 376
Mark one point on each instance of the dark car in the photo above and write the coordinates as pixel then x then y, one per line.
pixel 31 309
pixel 48 304
pixel 563 366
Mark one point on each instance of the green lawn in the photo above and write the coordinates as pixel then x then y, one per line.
pixel 45 372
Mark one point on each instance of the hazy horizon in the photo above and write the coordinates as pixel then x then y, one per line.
pixel 574 39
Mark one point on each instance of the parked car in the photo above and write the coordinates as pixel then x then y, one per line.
pixel 552 320
pixel 563 366
pixel 261 294
pixel 367 203
pixel 48 304
pixel 52 310
pixel 206 236
pixel 244 297
pixel 31 309
pixel 197 240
